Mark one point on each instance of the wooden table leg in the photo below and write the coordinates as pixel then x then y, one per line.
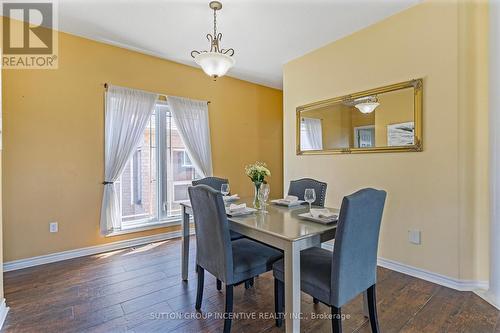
pixel 292 288
pixel 185 244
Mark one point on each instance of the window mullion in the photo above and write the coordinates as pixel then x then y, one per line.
pixel 159 164
pixel 169 164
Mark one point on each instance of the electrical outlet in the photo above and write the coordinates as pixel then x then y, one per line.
pixel 414 236
pixel 53 227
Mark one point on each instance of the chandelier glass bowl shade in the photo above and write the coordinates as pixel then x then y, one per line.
pixel 367 107
pixel 217 61
pixel 366 104
pixel 214 64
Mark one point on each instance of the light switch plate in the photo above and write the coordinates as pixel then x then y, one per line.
pixel 53 227
pixel 414 236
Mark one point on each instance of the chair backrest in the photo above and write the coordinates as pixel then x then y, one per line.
pixel 298 187
pixel 354 262
pixel 213 242
pixel 213 182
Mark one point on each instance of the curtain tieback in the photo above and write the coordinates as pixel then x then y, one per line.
pixel 107 183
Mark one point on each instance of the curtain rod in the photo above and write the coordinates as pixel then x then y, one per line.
pixel 302 118
pixel 160 95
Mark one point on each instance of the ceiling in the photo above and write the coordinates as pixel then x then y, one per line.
pixel 265 34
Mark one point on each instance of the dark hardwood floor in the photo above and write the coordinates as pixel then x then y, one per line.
pixel 140 290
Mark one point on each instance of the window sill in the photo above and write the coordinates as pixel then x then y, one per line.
pixel 145 226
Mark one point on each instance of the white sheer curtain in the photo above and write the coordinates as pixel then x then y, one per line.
pixel 313 132
pixel 127 114
pixel 191 118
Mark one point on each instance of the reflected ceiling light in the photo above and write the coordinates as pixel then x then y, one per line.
pixel 217 61
pixel 368 105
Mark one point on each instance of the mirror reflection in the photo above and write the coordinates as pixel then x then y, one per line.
pixel 383 119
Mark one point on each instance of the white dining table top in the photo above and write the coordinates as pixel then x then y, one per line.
pixel 281 221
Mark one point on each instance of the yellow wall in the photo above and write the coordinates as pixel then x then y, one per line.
pixel 473 144
pixel 394 109
pixel 443 190
pixel 1 234
pixel 54 133
pixel 335 125
pixel 1 197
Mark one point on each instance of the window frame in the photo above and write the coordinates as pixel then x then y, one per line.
pixel 136 179
pixel 163 150
pixel 185 158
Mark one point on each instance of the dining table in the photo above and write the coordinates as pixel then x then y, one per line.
pixel 282 228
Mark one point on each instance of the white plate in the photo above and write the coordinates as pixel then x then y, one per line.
pixel 230 198
pixel 308 216
pixel 280 202
pixel 248 211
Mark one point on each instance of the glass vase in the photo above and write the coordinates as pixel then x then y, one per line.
pixel 256 202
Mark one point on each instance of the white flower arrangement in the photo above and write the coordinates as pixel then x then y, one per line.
pixel 257 172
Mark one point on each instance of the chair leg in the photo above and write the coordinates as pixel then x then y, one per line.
pixel 249 283
pixel 315 300
pixel 229 308
pixel 279 294
pixel 336 320
pixel 199 291
pixel 219 284
pixel 372 309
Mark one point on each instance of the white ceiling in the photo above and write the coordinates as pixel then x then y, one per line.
pixel 264 34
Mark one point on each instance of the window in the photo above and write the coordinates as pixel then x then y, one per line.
pixel 155 179
pixel 305 143
pixel 186 161
pixel 137 178
pixel 311 134
pixel 364 136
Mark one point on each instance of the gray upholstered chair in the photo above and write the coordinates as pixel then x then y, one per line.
pixel 233 262
pixel 299 186
pixel 335 279
pixel 216 184
pixel 213 182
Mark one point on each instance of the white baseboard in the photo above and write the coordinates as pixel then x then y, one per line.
pixel 462 285
pixel 486 295
pixel 4 309
pixel 86 251
pixel 443 280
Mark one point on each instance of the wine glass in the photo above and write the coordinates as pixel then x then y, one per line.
pixel 310 196
pixel 224 189
pixel 263 196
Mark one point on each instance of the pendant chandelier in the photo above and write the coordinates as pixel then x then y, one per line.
pixel 217 61
pixel 368 106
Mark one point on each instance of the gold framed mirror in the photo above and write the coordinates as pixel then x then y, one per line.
pixel 385 119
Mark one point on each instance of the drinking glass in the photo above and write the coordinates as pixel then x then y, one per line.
pixel 310 196
pixel 224 189
pixel 263 196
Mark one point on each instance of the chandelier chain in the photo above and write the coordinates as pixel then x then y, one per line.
pixel 216 37
pixel 215 23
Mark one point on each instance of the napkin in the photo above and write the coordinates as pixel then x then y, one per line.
pixel 322 213
pixel 237 208
pixel 289 199
pixel 230 197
